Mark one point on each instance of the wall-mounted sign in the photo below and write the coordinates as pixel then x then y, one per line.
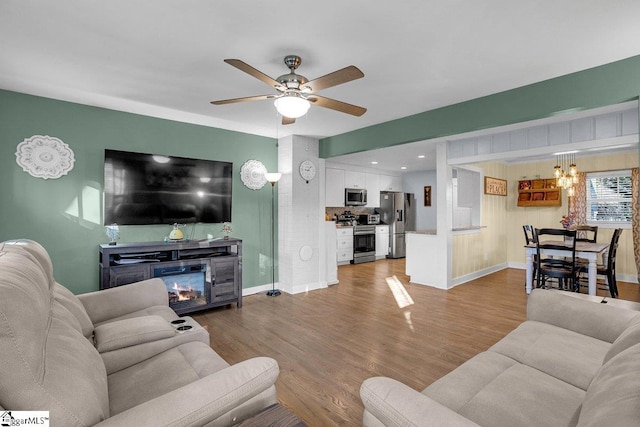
pixel 495 186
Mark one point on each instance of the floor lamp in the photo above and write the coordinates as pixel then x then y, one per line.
pixel 273 178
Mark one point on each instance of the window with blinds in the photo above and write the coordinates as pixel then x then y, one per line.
pixel 609 197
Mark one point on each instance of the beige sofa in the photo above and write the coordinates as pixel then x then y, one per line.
pixel 571 363
pixel 113 357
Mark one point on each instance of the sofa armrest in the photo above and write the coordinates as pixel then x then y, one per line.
pixel 394 404
pixel 122 300
pixel 120 357
pixel 204 400
pixel 585 317
pixel 130 332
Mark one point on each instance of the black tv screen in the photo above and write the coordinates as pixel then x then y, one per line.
pixel 144 189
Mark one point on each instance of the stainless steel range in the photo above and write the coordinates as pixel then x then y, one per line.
pixel 364 243
pixel 364 235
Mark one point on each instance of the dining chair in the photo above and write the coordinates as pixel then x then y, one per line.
pixel 585 233
pixel 562 268
pixel 608 269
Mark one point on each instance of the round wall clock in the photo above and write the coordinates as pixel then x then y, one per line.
pixel 252 174
pixel 307 170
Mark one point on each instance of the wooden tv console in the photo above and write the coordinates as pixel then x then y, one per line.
pixel 220 260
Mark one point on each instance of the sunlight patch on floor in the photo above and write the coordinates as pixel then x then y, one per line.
pixel 403 299
pixel 407 318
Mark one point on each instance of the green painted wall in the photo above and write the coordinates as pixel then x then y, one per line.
pixel 35 208
pixel 596 87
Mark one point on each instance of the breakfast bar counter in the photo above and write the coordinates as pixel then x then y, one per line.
pixel 424 258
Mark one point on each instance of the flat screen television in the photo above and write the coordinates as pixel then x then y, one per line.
pixel 142 189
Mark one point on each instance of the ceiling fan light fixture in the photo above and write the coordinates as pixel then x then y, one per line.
pixel 292 106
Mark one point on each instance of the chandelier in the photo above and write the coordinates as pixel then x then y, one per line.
pixel 566 172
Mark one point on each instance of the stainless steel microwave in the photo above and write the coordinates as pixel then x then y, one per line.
pixel 355 197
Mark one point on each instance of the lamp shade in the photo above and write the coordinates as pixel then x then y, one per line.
pixel 292 106
pixel 272 177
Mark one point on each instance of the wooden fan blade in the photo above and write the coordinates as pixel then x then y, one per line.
pixel 246 98
pixel 243 66
pixel 333 79
pixel 288 120
pixel 343 107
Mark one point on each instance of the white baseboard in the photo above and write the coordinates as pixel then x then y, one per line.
pixel 477 274
pixel 257 289
pixel 294 290
pixel 298 289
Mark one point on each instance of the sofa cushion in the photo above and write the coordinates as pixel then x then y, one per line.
pixel 65 297
pixel 493 390
pixel 613 398
pixel 128 332
pixel 569 356
pixel 523 396
pixel 62 294
pixel 458 387
pixel 161 374
pixel 629 338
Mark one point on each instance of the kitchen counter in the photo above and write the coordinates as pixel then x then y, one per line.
pixel 343 226
pixel 431 232
pixel 471 227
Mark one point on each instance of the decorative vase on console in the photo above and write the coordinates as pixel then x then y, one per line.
pixel 113 231
pixel 176 234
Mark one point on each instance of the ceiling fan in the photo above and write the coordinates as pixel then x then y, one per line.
pixel 296 92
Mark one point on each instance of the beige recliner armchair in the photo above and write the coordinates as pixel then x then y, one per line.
pixel 112 357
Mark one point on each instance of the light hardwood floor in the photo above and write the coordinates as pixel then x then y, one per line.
pixel 374 322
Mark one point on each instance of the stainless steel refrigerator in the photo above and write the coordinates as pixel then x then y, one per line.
pixel 399 211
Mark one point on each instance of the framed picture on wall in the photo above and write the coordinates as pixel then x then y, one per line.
pixel 495 186
pixel 427 195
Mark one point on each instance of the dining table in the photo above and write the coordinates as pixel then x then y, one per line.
pixel 586 250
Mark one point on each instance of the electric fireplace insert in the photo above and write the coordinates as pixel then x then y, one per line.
pixel 188 284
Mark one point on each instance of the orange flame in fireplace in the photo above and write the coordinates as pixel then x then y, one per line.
pixel 185 294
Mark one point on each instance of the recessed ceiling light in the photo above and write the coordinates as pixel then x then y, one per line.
pixel 421 156
pixel 403 167
pixel 374 163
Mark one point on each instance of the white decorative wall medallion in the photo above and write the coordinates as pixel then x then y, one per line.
pixel 306 252
pixel 252 174
pixel 45 157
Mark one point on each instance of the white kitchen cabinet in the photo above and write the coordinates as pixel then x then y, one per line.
pixel 334 187
pixel 344 243
pixel 336 180
pixel 382 241
pixel 390 183
pixel 372 184
pixel 354 179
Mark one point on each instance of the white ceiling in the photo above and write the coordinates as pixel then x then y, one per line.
pixel 164 58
